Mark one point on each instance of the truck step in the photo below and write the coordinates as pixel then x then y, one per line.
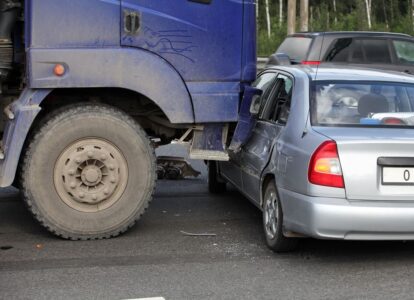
pixel 209 155
pixel 206 142
pixel 210 143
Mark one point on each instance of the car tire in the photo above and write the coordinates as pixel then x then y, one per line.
pixel 88 172
pixel 273 222
pixel 216 185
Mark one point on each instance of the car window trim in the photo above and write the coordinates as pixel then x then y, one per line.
pixel 270 89
pixel 272 94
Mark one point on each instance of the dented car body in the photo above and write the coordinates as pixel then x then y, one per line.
pixel 336 145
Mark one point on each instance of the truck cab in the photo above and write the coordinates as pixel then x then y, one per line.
pixel 88 88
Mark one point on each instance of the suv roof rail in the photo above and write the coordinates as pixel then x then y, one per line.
pixel 373 33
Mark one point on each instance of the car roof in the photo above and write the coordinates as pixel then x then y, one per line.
pixel 340 73
pixel 348 33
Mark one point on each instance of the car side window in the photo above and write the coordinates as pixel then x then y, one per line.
pixel 359 51
pixel 357 54
pixel 278 107
pixel 340 50
pixel 377 51
pixel 265 83
pixel 404 51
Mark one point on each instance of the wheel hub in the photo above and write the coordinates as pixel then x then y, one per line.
pixel 91 175
pixel 271 212
pixel 89 172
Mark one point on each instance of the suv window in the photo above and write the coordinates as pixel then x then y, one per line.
pixel 404 51
pixel 340 50
pixel 377 51
pixel 359 51
pixel 278 107
pixel 296 48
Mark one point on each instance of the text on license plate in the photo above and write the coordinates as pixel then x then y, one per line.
pixel 397 176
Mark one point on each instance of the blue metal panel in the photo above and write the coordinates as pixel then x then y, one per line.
pixel 249 55
pixel 204 44
pixel 246 120
pixel 210 139
pixel 25 110
pixel 73 23
pixel 202 41
pixel 215 101
pixel 132 69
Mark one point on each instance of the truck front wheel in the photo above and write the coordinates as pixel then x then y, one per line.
pixel 88 172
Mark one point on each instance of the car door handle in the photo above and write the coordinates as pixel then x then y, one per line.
pixel 407 71
pixel 201 1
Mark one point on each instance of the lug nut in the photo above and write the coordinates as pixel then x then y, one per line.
pixel 106 191
pixel 72 185
pixel 111 167
pixel 94 197
pixel 71 172
pixel 78 160
pixel 90 154
pixel 113 180
pixel 103 157
pixel 81 195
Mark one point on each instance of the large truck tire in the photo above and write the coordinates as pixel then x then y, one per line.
pixel 88 172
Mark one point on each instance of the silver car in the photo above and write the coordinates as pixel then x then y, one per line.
pixel 329 154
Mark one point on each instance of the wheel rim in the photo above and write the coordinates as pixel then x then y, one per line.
pixel 271 210
pixel 90 175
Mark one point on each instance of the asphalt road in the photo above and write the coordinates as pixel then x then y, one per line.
pixel 155 259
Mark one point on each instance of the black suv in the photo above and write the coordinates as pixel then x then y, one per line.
pixel 380 50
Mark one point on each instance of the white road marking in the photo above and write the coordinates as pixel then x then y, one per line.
pixel 153 298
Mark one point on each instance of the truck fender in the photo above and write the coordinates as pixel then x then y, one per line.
pixel 129 68
pixel 23 112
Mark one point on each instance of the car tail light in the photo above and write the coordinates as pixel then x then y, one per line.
pixel 393 121
pixel 311 62
pixel 325 167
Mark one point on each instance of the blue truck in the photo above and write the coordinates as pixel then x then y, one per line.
pixel 89 88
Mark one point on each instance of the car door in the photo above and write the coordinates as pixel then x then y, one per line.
pixel 231 170
pixel 257 151
pixel 404 55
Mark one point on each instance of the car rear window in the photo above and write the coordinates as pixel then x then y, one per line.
pixel 296 48
pixel 362 104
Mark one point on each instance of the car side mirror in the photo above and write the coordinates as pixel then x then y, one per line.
pixel 255 106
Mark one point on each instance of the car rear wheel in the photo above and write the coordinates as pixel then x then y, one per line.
pixel 273 222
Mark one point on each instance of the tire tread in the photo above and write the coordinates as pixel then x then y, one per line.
pixel 35 137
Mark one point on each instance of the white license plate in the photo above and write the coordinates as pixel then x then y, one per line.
pixel 397 176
